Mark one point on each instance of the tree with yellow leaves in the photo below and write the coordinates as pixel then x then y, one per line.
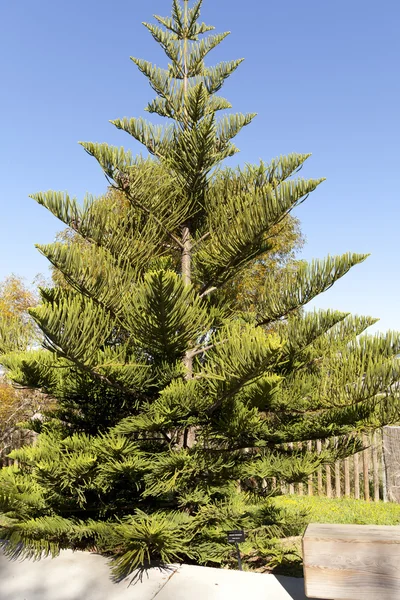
pixel 17 333
pixel 15 298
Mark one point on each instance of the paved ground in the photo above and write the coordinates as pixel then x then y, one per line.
pixel 84 576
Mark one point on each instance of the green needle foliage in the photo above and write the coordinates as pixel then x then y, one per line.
pixel 176 408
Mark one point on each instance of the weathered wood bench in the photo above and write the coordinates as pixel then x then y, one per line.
pixel 352 562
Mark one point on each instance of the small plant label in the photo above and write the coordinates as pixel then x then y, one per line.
pixel 236 536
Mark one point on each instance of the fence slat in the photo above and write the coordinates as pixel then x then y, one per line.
pixel 328 482
pixel 391 443
pixel 291 486
pixel 328 476
pixel 366 469
pixel 337 477
pixel 346 477
pixel 384 480
pixel 356 477
pixel 310 479
pixel 301 486
pixel 375 466
pixel 319 472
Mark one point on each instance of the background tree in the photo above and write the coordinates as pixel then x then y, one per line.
pixel 16 298
pixel 17 329
pixel 17 332
pixel 214 393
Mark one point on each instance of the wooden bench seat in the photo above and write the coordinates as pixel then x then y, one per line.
pixel 352 562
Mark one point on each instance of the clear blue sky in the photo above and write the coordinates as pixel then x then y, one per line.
pixel 323 77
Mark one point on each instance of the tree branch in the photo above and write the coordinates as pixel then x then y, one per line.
pixel 207 292
pixel 124 186
pixel 203 237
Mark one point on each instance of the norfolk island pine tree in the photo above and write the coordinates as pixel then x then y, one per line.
pixel 175 408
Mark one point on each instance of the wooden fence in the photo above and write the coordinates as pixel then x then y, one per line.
pixel 362 476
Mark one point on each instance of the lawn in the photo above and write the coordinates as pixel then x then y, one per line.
pixel 342 510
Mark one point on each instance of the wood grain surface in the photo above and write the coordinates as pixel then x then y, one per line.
pixel 357 562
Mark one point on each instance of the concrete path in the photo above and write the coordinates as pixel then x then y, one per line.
pixel 84 576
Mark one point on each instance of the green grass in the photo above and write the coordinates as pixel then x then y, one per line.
pixel 342 510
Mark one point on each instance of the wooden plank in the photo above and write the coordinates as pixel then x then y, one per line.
pixel 352 561
pixel 375 467
pixel 310 486
pixel 356 477
pixel 384 480
pixel 391 446
pixel 366 468
pixel 291 486
pixel 385 534
pixel 301 486
pixel 338 492
pixel 346 477
pixel 337 476
pixel 328 477
pixel 319 472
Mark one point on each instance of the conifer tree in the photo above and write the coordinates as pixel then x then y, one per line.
pixel 176 408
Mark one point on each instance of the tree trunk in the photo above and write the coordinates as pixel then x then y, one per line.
pixel 187 279
pixel 188 438
pixel 189 433
pixel 186 256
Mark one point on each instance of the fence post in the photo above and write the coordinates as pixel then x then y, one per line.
pixel 337 476
pixel 391 449
pixel 366 469
pixel 291 486
pixel 328 476
pixel 301 486
pixel 384 480
pixel 310 478
pixel 319 473
pixel 346 477
pixel 375 467
pixel 356 477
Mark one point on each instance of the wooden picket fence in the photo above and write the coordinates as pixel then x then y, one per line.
pixel 361 476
